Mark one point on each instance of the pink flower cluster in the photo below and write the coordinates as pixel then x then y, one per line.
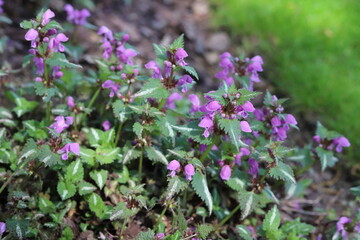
pixel 174 166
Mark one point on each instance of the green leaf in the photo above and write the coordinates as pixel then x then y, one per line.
pixel 244 232
pixel 106 155
pixel 191 71
pixel 138 129
pixel 30 151
pixel 201 188
pixel 124 176
pixel 66 190
pixel 96 205
pixel 59 59
pixel 119 110
pixel 87 155
pixel 67 234
pixel 325 133
pixel 94 137
pixel 192 130
pixel 271 195
pixel 283 172
pixel 355 191
pixel 246 95
pixel 17 228
pixel 26 24
pixel 85 188
pixel 99 177
pixel 131 154
pixel 178 43
pixel 22 105
pixel 327 158
pixel 232 128
pixel 272 220
pixel 297 227
pixel 204 230
pixel 166 128
pixel 74 172
pixel 160 51
pixel 175 186
pixel 246 203
pixel 152 89
pixel 46 206
pixel 181 221
pixel 48 157
pixel 156 155
pixel 148 235
pixel 121 212
pixel 45 92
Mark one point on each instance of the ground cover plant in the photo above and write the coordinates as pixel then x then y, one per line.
pixel 117 150
pixel 303 42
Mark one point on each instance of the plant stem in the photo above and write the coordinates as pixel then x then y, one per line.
pixel 48 112
pixel 7 182
pixel 228 216
pixel 96 94
pixel 140 164
pixel 264 176
pixel 118 133
pixel 161 215
pixel 208 149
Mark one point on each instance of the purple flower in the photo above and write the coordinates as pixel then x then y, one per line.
pixel 340 228
pixel 317 139
pixel 173 166
pixel 76 16
pixel 32 35
pixel 255 66
pixel 1 3
pixel 156 69
pixel 61 123
pixel 245 127
pixel 47 15
pixel 114 88
pixel 225 173
pixel 189 171
pixel 243 152
pixel 180 54
pixel 228 68
pixel 106 125
pixel 170 102
pixel 39 63
pixel 207 122
pixel 56 72
pixel 275 122
pixel 160 236
pixel 70 102
pixel 55 42
pixel 195 103
pixel 340 142
pixel 290 119
pixel 125 54
pixel 2 228
pixel 253 167
pixel 69 147
pixel 186 79
pixel 106 32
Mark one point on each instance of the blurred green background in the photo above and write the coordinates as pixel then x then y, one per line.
pixel 311 50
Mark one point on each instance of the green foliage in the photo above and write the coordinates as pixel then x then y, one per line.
pixel 201 188
pixel 284 172
pixel 204 230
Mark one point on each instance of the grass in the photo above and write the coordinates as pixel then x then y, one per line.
pixel 312 52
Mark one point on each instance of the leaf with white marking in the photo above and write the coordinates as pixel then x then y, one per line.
pixel 66 190
pixel 97 205
pixel 244 232
pixel 94 137
pixel 272 220
pixel 174 187
pixel 155 155
pixel 87 155
pixel 327 158
pixel 85 188
pixel 107 155
pixel 75 172
pixel 152 89
pixel 232 128
pixel 283 172
pixel 46 206
pixel 130 154
pixel 99 177
pixel 201 188
pixel 48 157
